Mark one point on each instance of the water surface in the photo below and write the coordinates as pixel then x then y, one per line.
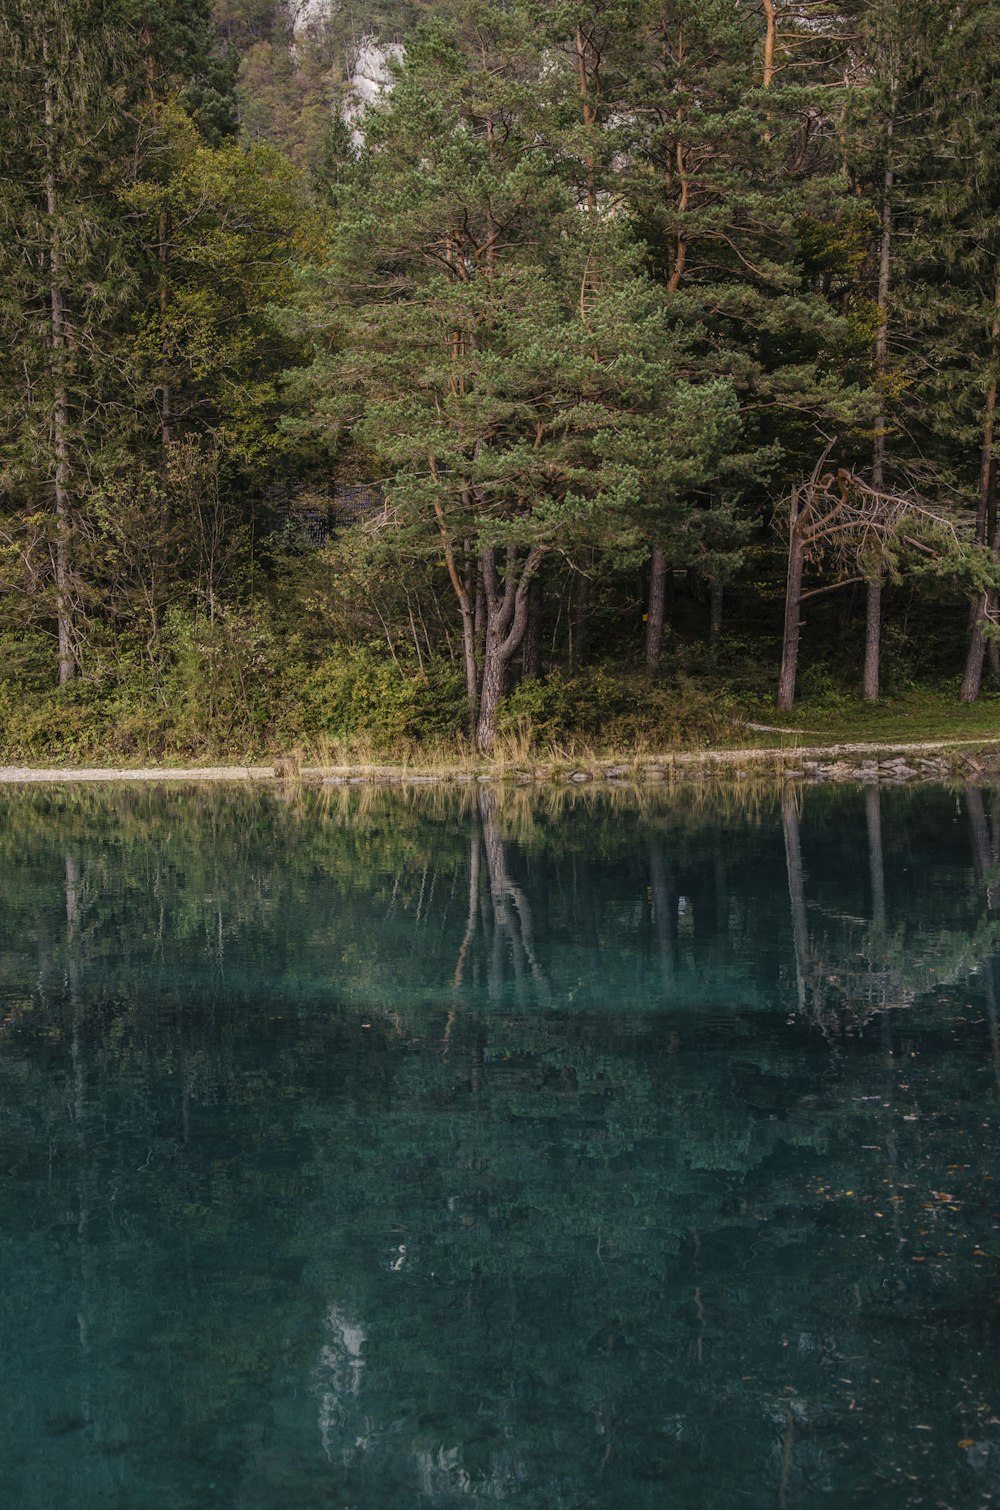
pixel 373 1151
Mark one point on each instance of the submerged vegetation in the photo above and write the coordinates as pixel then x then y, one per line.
pixel 662 334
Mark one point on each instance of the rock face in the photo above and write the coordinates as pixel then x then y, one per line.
pixel 370 77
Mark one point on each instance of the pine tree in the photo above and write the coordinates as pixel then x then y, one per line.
pixel 493 342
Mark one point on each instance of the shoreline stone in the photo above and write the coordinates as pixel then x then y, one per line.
pixel 885 764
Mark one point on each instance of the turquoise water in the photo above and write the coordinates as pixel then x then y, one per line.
pixel 370 1151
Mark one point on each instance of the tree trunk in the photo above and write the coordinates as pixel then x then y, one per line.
pixel 60 405
pixel 972 679
pixel 166 432
pixel 465 608
pixel 715 620
pixel 986 607
pixel 64 609
pixel 531 664
pixel 793 609
pixel 506 619
pixel 770 41
pixel 656 606
pixel 579 619
pixel 873 641
pixel 589 114
pixel 770 38
pixel 490 692
pixel 873 603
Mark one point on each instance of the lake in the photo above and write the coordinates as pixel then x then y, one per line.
pixel 371 1149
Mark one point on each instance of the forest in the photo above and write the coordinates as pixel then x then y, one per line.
pixel 391 375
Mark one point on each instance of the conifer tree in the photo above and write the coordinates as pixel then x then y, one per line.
pixel 733 181
pixel 67 88
pixel 496 344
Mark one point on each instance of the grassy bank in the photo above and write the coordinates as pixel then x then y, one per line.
pixel 240 700
pixel 915 740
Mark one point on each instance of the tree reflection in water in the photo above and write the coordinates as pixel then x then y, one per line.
pixel 379 1149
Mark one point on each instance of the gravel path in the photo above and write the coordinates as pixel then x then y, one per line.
pixel 12 775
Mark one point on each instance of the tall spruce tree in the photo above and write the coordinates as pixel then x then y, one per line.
pixel 67 90
pixel 925 146
pixel 183 58
pixel 733 177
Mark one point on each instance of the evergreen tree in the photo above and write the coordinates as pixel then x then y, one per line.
pixel 67 100
pixel 494 344
pixel 733 180
pixel 183 58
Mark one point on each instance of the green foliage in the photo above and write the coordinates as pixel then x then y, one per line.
pixel 611 709
pixel 579 288
pixel 222 228
pixel 357 691
pixel 565 395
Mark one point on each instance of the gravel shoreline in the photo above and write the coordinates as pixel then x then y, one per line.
pixel 930 760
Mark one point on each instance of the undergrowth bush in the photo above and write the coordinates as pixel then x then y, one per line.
pixel 614 708
pixel 239 689
pixel 358 690
pixel 231 688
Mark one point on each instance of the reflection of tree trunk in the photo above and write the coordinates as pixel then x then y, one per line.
pixel 796 889
pixel 876 873
pixel 71 869
pixel 473 917
pixel 511 911
pixel 721 887
pixel 876 864
pixel 983 852
pixel 664 896
pixel 981 848
pixel 72 884
pixel 990 982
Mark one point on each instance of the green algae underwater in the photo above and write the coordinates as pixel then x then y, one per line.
pixel 372 1149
